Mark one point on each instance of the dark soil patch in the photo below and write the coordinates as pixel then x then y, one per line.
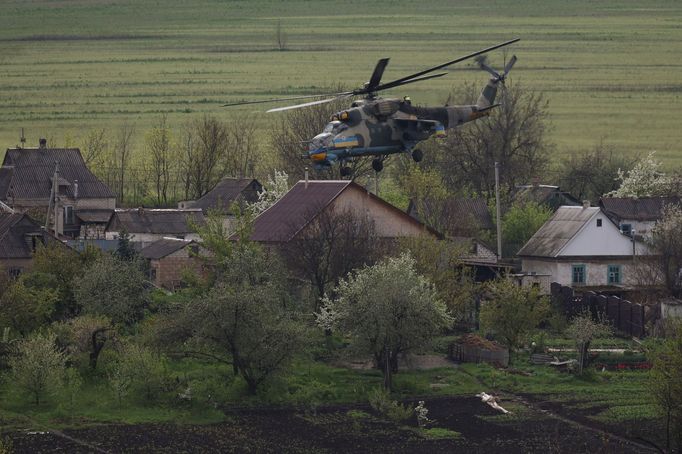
pixel 643 431
pixel 333 429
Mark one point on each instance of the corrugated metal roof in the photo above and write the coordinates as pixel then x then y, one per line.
pixel 226 192
pixel 636 209
pixel 543 194
pixel 143 220
pixel 557 231
pixel 161 248
pixel 295 210
pixel 34 169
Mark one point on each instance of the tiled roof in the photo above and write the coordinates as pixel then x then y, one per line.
pixel 34 169
pixel 638 209
pixel 226 192
pixel 557 231
pixel 296 209
pixel 143 220
pixel 161 248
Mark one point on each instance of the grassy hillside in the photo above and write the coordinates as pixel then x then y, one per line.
pixel 610 69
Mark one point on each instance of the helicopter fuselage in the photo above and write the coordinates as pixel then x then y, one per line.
pixel 381 127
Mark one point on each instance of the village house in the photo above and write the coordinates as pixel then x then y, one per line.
pixel 35 180
pixel 455 216
pixel 289 217
pixel 638 215
pixel 20 236
pixel 582 247
pixel 145 226
pixel 169 259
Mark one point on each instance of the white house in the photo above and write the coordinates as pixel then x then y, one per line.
pixel 581 246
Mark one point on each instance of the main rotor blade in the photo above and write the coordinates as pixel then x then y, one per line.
pixel 416 79
pixel 292 98
pixel 441 66
pixel 308 104
pixel 378 72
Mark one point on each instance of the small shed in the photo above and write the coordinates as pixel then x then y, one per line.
pixel 169 259
pixel 471 348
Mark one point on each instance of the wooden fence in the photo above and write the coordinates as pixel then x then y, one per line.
pixel 629 318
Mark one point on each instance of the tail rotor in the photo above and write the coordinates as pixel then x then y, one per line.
pixel 497 76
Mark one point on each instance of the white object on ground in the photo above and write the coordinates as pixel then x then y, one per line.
pixel 492 401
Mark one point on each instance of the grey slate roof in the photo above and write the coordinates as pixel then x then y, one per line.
pixel 13 228
pixel 557 231
pixel 34 169
pixel 164 247
pixel 227 191
pixel 637 209
pixel 167 221
pixel 6 174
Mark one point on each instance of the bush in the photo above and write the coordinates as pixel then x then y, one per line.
pixel 37 366
pixel 380 401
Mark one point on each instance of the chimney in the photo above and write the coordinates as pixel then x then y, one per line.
pixel 43 143
pixel 306 177
pixel 75 189
pixel 586 203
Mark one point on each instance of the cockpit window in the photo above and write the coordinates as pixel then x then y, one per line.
pixel 335 127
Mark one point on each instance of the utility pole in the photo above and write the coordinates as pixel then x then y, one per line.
pixel 53 200
pixel 497 209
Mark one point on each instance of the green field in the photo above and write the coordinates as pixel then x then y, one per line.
pixel 610 69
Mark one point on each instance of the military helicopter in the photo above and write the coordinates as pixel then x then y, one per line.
pixel 380 127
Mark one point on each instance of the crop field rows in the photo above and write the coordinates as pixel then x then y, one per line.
pixel 609 70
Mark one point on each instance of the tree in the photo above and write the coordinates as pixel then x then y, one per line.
pixel 113 288
pixel 425 187
pixel 29 302
pixel 333 244
pixel 520 223
pixel 666 386
pixel 94 145
pixel 243 146
pixel 123 150
pixel 55 259
pixel 243 319
pixel 273 190
pixel 38 366
pixel 588 174
pixel 299 126
pixel 159 145
pixel 666 241
pixel 511 312
pixel 85 337
pixel 644 180
pixel 514 135
pixel 386 310
pixel 440 261
pixel 205 147
pixel 280 36
pixel 583 329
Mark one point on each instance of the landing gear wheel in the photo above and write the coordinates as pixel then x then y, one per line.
pixel 377 165
pixel 345 171
pixel 417 155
